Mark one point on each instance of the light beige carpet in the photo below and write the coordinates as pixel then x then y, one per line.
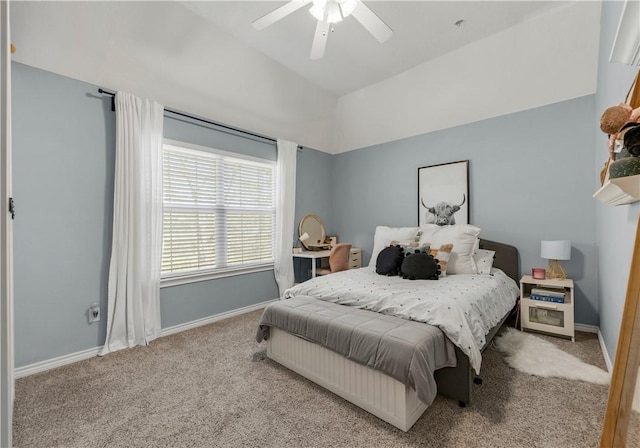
pixel 212 387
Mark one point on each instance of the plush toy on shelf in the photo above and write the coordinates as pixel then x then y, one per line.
pixel 630 137
pixel 614 118
pixel 618 122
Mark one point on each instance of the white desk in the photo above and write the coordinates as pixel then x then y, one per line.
pixel 313 255
pixel 355 258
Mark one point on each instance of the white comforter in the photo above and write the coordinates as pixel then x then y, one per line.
pixel 464 306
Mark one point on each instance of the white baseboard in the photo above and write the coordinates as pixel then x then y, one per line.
pixel 605 353
pixel 60 361
pixel 211 319
pixel 594 329
pixel 586 328
pixel 635 406
pixel 89 353
pixel 607 359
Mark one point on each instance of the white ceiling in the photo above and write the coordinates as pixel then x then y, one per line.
pixel 205 58
pixel 423 30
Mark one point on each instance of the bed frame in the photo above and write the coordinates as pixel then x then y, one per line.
pixel 372 390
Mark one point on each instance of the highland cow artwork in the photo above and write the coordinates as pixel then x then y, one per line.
pixel 443 194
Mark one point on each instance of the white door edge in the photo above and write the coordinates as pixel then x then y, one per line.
pixel 6 235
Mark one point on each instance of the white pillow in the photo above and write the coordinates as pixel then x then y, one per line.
pixel 464 238
pixel 484 260
pixel 384 236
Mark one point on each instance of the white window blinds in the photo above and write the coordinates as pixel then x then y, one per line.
pixel 219 211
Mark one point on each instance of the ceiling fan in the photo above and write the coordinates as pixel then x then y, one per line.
pixel 328 12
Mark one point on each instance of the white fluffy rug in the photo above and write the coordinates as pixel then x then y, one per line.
pixel 535 356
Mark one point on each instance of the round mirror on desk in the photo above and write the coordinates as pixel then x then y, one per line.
pixel 313 226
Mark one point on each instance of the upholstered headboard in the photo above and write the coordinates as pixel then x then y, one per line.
pixel 506 259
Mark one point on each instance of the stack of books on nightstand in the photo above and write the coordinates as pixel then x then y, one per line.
pixel 547 295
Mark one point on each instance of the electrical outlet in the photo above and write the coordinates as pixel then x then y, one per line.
pixel 94 313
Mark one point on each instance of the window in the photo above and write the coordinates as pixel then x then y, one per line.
pixel 218 212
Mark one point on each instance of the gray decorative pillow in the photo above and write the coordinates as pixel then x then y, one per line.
pixel 424 248
pixel 411 247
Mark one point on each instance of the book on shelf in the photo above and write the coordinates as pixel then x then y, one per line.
pixel 546 298
pixel 548 292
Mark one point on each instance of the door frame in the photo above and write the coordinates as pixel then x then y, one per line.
pixel 6 236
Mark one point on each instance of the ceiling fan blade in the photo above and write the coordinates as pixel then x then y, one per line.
pixel 279 13
pixel 372 22
pixel 320 40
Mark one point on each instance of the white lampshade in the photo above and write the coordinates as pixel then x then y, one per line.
pixel 304 237
pixel 555 250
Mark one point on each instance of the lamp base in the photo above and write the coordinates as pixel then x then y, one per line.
pixel 556 271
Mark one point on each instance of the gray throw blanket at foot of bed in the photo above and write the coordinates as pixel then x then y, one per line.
pixel 406 350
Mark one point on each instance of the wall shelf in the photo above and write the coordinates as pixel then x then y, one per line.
pixel 620 191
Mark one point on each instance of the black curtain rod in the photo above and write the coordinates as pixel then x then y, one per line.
pixel 193 117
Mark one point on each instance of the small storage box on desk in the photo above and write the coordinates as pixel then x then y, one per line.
pixel 547 306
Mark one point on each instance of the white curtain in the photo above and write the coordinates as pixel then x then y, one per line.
pixel 285 213
pixel 133 313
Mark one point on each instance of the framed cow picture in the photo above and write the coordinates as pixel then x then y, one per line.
pixel 443 193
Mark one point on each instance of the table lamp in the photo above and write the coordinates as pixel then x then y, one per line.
pixel 554 251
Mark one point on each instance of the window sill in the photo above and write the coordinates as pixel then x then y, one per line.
pixel 193 277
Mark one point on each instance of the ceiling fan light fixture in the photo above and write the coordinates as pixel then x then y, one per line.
pixel 333 13
pixel 317 10
pixel 328 12
pixel 347 7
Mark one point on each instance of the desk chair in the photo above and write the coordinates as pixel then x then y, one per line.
pixel 338 259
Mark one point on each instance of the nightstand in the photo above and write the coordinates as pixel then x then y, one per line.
pixel 553 312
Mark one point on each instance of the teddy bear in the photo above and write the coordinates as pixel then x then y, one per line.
pixel 611 122
pixel 614 118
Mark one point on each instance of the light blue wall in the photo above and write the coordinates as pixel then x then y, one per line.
pixel 616 226
pixel 186 303
pixel 314 194
pixel 63 167
pixel 314 187
pixel 531 178
pixel 198 133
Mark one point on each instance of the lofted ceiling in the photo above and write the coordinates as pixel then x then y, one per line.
pixel 204 57
pixel 423 30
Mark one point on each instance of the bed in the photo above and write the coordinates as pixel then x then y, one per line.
pixel 454 356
